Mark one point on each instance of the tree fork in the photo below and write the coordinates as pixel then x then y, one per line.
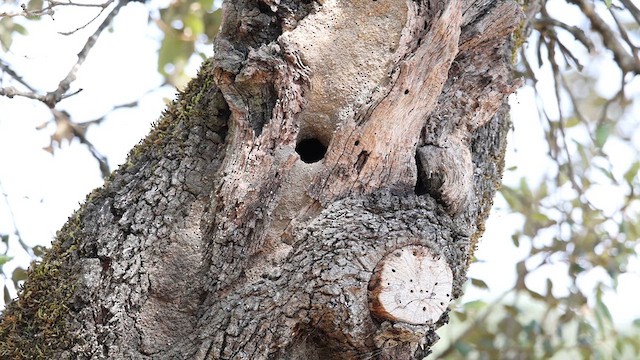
pixel 334 159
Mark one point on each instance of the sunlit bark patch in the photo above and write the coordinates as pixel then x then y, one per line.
pixel 411 285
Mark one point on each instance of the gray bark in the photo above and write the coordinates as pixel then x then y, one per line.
pixel 217 241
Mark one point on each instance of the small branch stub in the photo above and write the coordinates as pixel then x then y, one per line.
pixel 411 285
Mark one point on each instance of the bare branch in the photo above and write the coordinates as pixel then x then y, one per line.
pixel 78 131
pixel 16 230
pixel 71 3
pixel 625 36
pixel 52 98
pixel 625 61
pixel 544 23
pixel 103 6
pixel 11 91
pixel 568 55
pixel 557 76
pixel 29 13
pixel 49 10
pixel 633 10
pixel 15 76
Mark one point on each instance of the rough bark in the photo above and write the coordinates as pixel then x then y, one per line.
pixel 217 241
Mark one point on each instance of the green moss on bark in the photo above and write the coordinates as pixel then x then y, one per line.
pixel 33 326
pixel 36 324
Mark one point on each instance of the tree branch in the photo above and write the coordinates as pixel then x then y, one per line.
pixel 609 38
pixel 633 10
pixel 49 10
pixel 15 76
pixel 52 98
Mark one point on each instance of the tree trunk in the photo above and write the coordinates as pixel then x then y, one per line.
pixel 315 193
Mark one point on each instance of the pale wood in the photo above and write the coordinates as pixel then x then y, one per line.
pixel 413 285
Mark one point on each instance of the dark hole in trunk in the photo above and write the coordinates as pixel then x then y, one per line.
pixel 311 150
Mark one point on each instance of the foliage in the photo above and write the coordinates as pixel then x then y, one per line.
pixel 184 23
pixel 582 217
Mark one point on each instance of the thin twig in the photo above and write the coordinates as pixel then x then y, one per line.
pixel 609 38
pixel 79 132
pixel 16 230
pixel 625 36
pixel 556 75
pixel 49 10
pixel 528 71
pixel 71 3
pixel 52 98
pixel 103 6
pixel 633 10
pixel 15 76
pixel 29 13
pixel 568 55
pixel 544 23
pixel 11 91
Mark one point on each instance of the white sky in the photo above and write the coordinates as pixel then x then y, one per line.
pixel 43 190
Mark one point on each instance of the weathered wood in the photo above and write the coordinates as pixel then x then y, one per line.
pixel 218 241
pixel 411 285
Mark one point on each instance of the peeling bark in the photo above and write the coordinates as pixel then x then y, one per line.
pixel 219 239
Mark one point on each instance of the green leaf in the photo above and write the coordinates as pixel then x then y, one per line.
pixel 521 270
pixel 19 274
pixel 524 189
pixel 549 290
pixel 5 259
pixel 35 5
pixel 513 310
pixel 571 122
pixel 565 318
pixel 195 23
pixel 6 32
pixel 479 283
pixel 7 296
pixel 212 22
pixel 174 50
pixel 39 251
pixel 460 315
pixel 602 309
pixel 463 348
pixel 511 197
pixel 532 329
pixel 631 174
pixel 206 4
pixel 542 220
pixel 605 172
pixel 535 295
pixel 602 133
pixel 547 346
pixel 474 305
pixel 20 29
pixel 516 239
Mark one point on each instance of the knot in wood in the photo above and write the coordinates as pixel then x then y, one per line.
pixel 411 285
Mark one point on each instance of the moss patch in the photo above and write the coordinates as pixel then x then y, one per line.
pixel 37 324
pixel 34 325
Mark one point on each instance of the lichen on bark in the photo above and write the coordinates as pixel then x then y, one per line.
pixel 217 241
